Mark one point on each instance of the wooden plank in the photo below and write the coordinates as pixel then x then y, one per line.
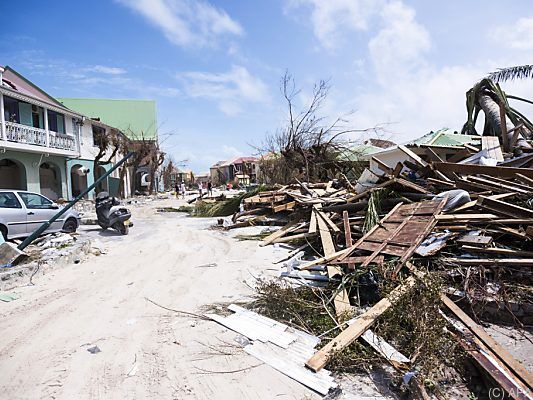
pixel 503 172
pixel 504 208
pixel 411 185
pixel 493 262
pixel 510 183
pixel 341 300
pixel 386 241
pixel 524 179
pixel 492 145
pixel 283 207
pixel 473 203
pixel 293 225
pixel 497 250
pixel 459 155
pixel 323 260
pixel 514 232
pixel 466 217
pixel 414 156
pixel 312 221
pixel 321 214
pixel 393 356
pixel 361 324
pixel 429 227
pixel 358 260
pixel 495 183
pixel 290 238
pixel 370 232
pixel 475 240
pixel 397 170
pixel 347 234
pixel 382 166
pixel 519 370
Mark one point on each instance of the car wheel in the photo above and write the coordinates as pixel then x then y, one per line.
pixel 3 231
pixel 70 226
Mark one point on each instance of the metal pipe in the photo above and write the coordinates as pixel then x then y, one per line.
pixel 47 224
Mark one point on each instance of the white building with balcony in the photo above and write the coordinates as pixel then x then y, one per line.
pixel 44 146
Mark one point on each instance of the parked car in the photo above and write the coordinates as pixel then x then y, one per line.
pixel 22 212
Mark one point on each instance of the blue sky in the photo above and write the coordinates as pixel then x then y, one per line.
pixel 214 67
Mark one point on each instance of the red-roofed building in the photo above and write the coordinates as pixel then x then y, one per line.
pixel 242 170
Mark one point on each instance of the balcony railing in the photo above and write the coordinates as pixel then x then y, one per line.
pixel 35 136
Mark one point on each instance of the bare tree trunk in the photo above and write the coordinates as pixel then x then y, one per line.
pixel 492 116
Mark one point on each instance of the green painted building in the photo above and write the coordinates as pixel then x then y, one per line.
pixel 136 118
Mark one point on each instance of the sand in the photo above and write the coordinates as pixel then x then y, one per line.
pixel 146 352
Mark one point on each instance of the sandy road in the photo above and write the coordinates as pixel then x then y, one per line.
pixel 146 351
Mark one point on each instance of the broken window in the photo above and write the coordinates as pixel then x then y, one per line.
pixel 98 134
pixel 11 109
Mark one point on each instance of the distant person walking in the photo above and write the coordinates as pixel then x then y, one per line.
pixel 183 190
pixel 210 189
pixel 177 190
pixel 200 188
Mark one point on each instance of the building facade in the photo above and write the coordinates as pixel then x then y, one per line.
pixel 45 147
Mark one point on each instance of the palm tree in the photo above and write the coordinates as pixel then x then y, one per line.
pixel 511 73
pixel 487 96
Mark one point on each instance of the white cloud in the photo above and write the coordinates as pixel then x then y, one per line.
pixel 330 18
pixel 517 36
pixel 230 89
pixel 399 46
pixel 103 69
pixel 186 23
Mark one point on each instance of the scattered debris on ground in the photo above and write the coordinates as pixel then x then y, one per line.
pixel 402 269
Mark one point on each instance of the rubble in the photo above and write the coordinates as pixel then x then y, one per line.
pixel 461 215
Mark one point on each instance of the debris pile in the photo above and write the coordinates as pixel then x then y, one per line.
pixel 396 257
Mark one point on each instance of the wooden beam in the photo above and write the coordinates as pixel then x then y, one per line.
pixel 414 156
pixel 500 185
pixel 497 250
pixel 382 166
pixel 397 170
pixel 356 329
pixel 321 214
pixel 519 370
pixel 283 207
pixel 312 221
pixel 347 234
pixel 503 172
pixel 524 179
pixel 504 208
pixel 291 226
pixel 341 300
pixel 290 238
pixel 473 203
pixel 493 262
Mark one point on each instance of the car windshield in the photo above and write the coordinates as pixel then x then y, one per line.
pixel 9 200
pixel 35 201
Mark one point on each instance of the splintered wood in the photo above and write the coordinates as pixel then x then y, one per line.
pixel 468 220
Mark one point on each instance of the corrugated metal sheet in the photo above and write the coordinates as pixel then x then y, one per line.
pixel 283 348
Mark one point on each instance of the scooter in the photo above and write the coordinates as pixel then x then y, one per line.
pixel 111 215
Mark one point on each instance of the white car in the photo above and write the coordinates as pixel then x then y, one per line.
pixel 22 212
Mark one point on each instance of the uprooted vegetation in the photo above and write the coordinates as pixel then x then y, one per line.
pixel 414 326
pixel 401 267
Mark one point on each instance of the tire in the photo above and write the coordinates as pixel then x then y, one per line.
pixel 70 226
pixel 3 231
pixel 123 229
